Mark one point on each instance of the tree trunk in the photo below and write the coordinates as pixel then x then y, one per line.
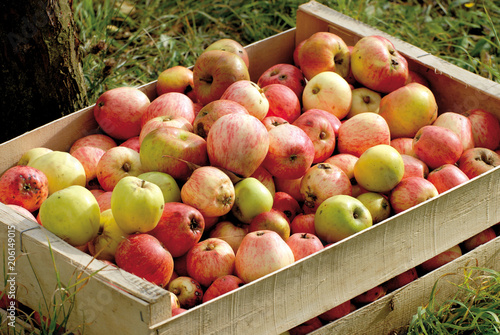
pixel 41 78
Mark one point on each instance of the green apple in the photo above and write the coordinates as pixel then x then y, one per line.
pixel 167 184
pixel 73 214
pixel 103 246
pixel 379 169
pixel 32 154
pixel 137 205
pixel 339 217
pixel 61 168
pixel 251 199
pixel 378 205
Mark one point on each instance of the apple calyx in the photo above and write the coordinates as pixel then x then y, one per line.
pixel 487 159
pixel 208 79
pixel 210 247
pixel 194 225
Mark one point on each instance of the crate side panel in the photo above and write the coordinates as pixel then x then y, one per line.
pixel 270 51
pixel 394 311
pixel 456 89
pixel 342 271
pixel 105 292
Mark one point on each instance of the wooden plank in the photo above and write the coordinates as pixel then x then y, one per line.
pixel 111 301
pixel 456 89
pixel 394 311
pixel 344 270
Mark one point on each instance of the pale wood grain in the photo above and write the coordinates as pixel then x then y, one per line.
pixel 395 310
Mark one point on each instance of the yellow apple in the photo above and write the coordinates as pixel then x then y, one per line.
pixel 379 169
pixel 137 205
pixel 61 168
pixel 407 109
pixel 73 214
pixel 104 245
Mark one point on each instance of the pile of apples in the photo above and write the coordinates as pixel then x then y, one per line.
pixel 220 180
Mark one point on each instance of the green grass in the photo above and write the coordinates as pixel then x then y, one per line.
pixel 133 45
pixel 474 309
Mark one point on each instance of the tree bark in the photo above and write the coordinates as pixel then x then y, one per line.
pixel 41 76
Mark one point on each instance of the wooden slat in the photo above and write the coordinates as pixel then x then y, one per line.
pixel 111 301
pixel 395 310
pixel 311 286
pixel 456 89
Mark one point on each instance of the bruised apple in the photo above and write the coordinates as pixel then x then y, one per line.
pixel 24 186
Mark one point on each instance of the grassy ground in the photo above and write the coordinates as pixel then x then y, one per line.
pixel 130 43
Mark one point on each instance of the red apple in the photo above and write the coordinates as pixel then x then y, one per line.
pixel 401 280
pixel 171 104
pixel 287 204
pixel 441 259
pixel 322 181
pixel 231 232
pixel 101 141
pixel 89 157
pixel 460 125
pixel 410 192
pixel 371 295
pixel 303 223
pixel 346 162
pixel 118 111
pixel 324 51
pixel 290 152
pixel 414 167
pixel 212 111
pixel 169 149
pixel 376 64
pixel 249 95
pixel 144 256
pixel 485 128
pixel 209 190
pixel 238 143
pixel 337 312
pixel 334 121
pixel 306 327
pixel 104 201
pixel 362 131
pixel 416 77
pixel 290 186
pixel 132 143
pixel 221 286
pixel 164 121
pixel 283 102
pixel 187 290
pixel 304 244
pixel 273 220
pixel 180 227
pixel 404 145
pixel 436 146
pixel 320 131
pixel 210 259
pixel 296 51
pixel 177 311
pixel 266 178
pixel 480 238
pixel 477 161
pixel 446 177
pixel 24 186
pixel 214 71
pixel 116 163
pixel 286 74
pixel 261 253
pixel 175 79
pixel 273 121
pixel 228 44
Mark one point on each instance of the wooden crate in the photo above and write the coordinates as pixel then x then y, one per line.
pixel 115 302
